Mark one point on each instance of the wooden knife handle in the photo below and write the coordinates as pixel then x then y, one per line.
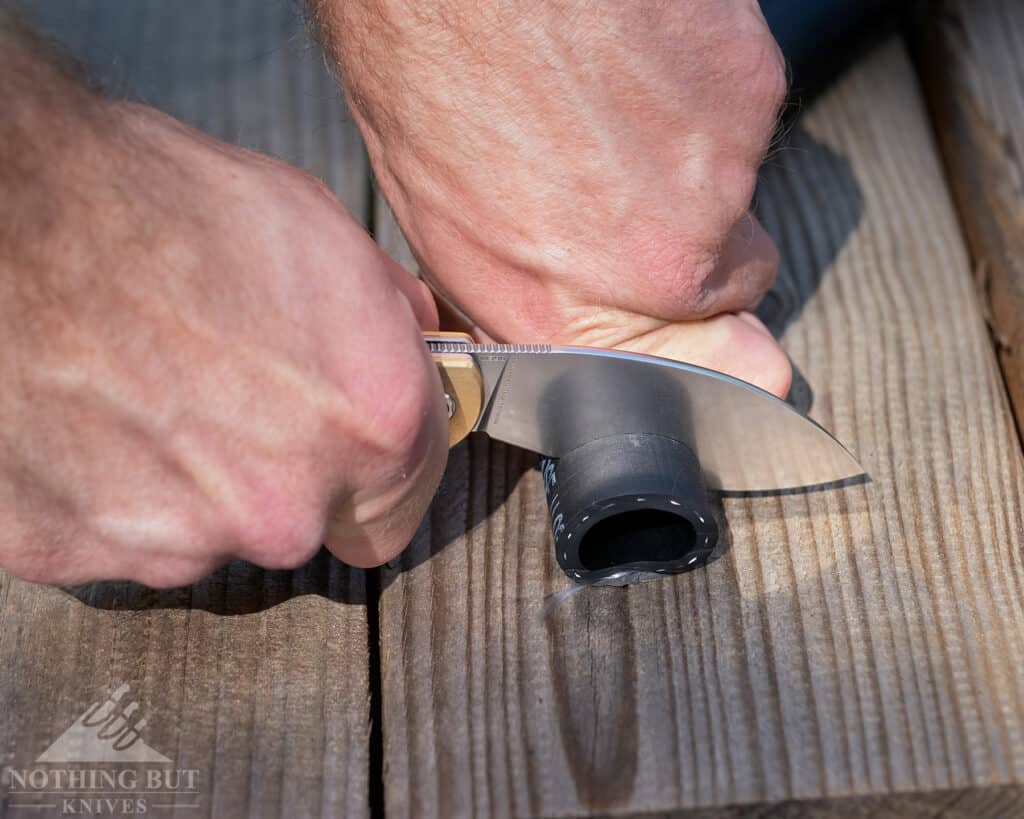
pixel 463 385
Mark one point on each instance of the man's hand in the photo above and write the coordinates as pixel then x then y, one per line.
pixel 202 355
pixel 578 172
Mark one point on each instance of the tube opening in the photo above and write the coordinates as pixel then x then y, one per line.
pixel 637 536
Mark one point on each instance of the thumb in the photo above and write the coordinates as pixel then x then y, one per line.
pixel 416 292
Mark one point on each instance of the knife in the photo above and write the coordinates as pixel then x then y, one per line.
pixel 631 443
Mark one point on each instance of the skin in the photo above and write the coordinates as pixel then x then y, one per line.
pixel 593 163
pixel 205 357
pixel 183 382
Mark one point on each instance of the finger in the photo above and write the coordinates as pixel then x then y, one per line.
pixel 168 571
pixel 372 525
pixel 101 561
pixel 453 320
pixel 367 533
pixel 756 323
pixel 416 293
pixel 736 344
pixel 747 266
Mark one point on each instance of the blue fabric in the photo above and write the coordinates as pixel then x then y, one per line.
pixel 818 37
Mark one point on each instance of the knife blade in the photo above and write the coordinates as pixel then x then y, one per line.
pixel 552 399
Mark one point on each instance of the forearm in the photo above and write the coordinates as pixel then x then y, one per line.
pixel 41 86
pixel 51 118
pixel 54 174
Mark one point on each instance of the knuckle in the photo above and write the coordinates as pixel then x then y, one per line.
pixel 311 189
pixel 738 181
pixel 407 416
pixel 758 71
pixel 773 82
pixel 37 555
pixel 672 283
pixel 379 552
pixel 278 535
pixel 779 78
pixel 757 59
pixel 169 573
pixel 679 289
pixel 378 531
pixel 315 185
pixel 34 570
pixel 754 258
pixel 769 83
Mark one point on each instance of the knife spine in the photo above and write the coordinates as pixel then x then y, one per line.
pixel 486 349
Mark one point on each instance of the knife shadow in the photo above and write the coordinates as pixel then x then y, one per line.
pixel 717 497
pixel 842 483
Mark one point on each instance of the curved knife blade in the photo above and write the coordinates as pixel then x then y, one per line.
pixel 552 399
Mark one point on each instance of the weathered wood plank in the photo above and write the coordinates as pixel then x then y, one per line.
pixel 998 802
pixel 257 680
pixel 244 71
pixel 863 641
pixel 970 57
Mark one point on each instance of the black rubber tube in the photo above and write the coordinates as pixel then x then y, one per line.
pixel 627 508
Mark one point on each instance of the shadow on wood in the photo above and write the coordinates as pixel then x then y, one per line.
pixel 812 176
pixel 236 588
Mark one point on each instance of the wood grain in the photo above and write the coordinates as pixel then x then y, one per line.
pixel 259 680
pixel 970 57
pixel 855 642
pixel 998 802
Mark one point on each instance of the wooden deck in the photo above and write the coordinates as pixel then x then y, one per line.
pixel 856 653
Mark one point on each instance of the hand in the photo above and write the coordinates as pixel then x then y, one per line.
pixel 203 357
pixel 578 172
